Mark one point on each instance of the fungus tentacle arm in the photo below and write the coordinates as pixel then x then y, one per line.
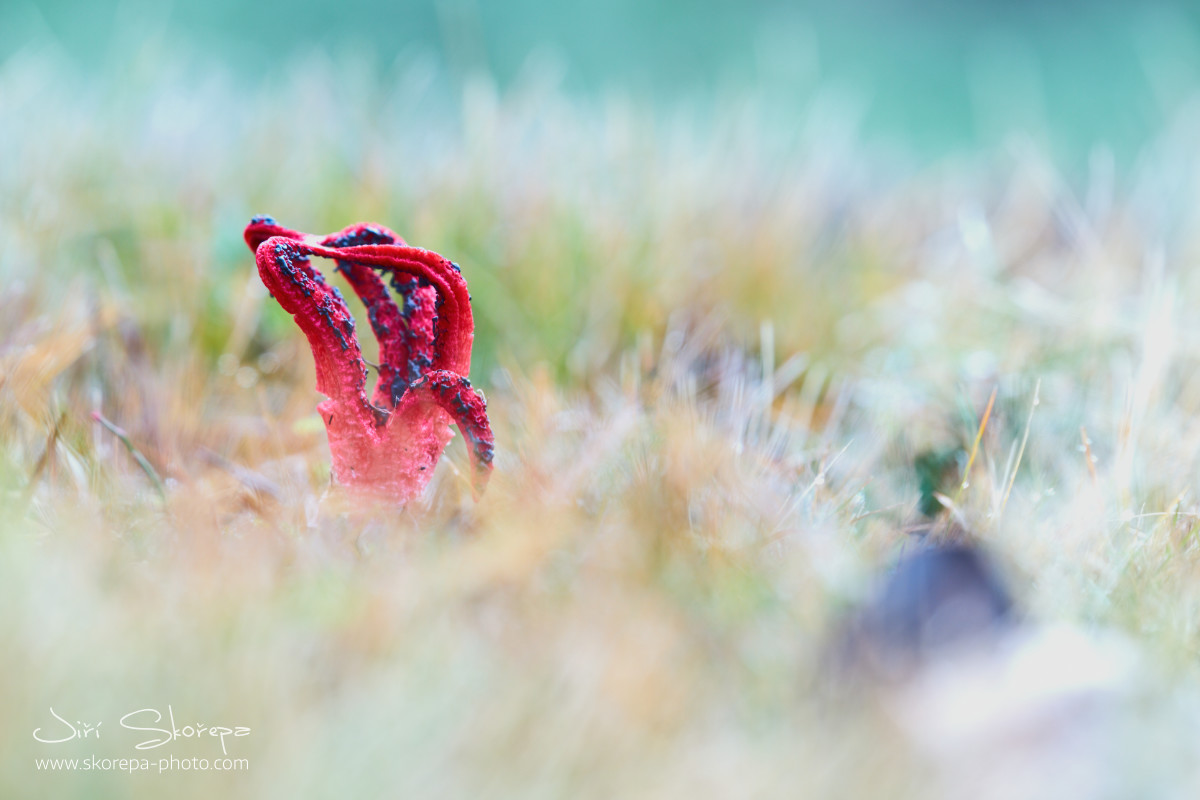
pixel 320 311
pixel 455 327
pixel 404 330
pixel 262 228
pixel 467 407
pixel 425 331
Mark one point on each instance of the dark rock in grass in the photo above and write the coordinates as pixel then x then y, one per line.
pixel 936 599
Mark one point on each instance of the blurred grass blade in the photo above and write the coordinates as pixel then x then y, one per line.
pixel 146 466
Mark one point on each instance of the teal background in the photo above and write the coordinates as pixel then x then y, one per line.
pixel 931 77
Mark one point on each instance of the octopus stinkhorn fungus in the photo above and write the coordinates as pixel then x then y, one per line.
pixel 388 444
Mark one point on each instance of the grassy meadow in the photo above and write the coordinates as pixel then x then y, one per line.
pixel 717 351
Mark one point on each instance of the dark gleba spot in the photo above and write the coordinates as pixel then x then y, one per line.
pixel 326 309
pixel 367 235
pixel 398 388
pixel 418 365
pixel 284 261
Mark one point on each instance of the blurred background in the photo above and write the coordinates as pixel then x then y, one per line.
pixel 930 75
pixel 766 294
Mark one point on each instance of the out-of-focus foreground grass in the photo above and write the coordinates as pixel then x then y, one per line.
pixel 712 354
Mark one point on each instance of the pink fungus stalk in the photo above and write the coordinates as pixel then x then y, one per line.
pixel 389 444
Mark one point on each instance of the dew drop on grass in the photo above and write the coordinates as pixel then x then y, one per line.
pixel 246 377
pixel 227 364
pixel 268 362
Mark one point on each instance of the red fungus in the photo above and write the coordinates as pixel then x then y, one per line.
pixel 388 444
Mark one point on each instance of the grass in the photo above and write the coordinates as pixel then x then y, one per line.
pixel 714 354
